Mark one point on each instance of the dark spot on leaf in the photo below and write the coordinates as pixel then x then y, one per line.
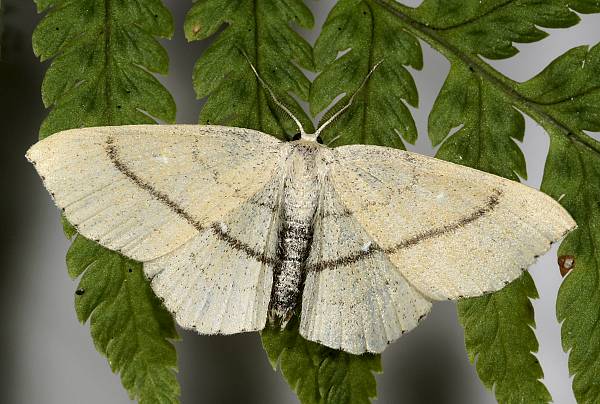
pixel 339 28
pixel 79 292
pixel 130 270
pixel 58 29
pixel 565 264
pixel 471 68
pixel 118 107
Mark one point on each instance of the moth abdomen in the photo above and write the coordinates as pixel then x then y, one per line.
pixel 288 278
pixel 299 204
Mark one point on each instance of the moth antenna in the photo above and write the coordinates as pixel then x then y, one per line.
pixel 333 140
pixel 275 99
pixel 345 107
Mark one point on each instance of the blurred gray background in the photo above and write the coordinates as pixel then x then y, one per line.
pixel 48 357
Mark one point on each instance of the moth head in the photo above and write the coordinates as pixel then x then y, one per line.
pixel 311 137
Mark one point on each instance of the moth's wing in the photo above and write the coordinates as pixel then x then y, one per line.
pixel 357 305
pixel 145 190
pixel 220 281
pixel 452 231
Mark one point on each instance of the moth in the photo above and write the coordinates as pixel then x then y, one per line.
pixel 236 228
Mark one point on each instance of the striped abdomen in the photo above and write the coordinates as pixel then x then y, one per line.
pixel 299 204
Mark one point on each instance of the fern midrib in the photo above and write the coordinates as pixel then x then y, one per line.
pixel 107 59
pixel 369 67
pixel 481 114
pixel 257 61
pixel 498 337
pixel 140 333
pixel 569 97
pixel 465 22
pixel 485 71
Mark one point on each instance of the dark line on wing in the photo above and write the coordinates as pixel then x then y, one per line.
pixel 343 213
pixel 113 155
pixel 343 261
pixel 491 204
pixel 269 206
pixel 243 247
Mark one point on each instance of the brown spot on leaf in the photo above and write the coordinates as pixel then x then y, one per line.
pixel 565 264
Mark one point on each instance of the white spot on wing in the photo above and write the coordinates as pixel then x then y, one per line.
pixel 161 158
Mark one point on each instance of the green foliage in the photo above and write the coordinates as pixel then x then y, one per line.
pixel 319 374
pixel 570 170
pixel 103 54
pixel 469 98
pixel 379 114
pixel 489 28
pixel 499 337
pixel 568 92
pixel 69 230
pixel 488 125
pixel 260 31
pixel 127 321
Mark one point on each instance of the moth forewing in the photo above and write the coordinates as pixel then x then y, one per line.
pixel 452 231
pixel 145 190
